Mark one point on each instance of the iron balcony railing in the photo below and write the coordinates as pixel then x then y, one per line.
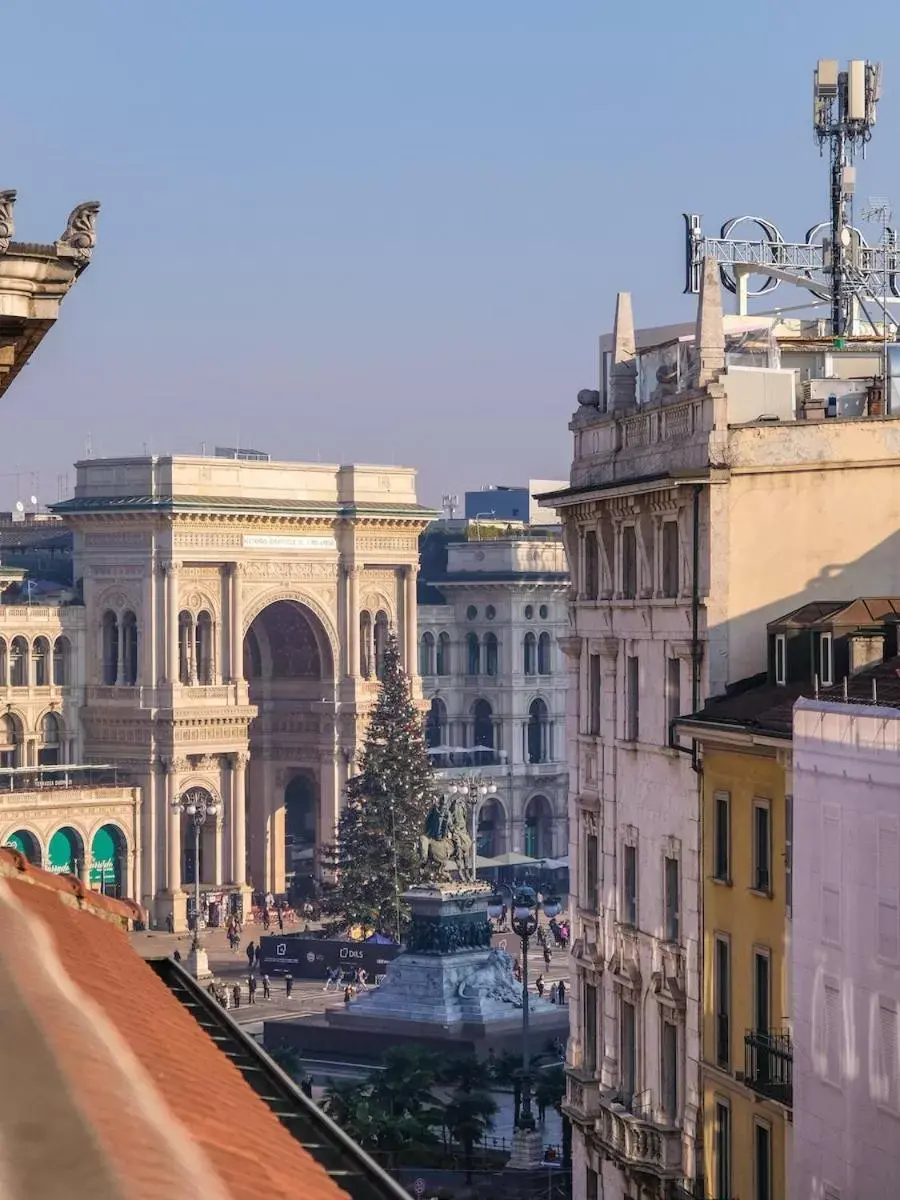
pixel 769 1064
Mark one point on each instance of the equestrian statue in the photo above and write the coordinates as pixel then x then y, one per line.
pixel 447 840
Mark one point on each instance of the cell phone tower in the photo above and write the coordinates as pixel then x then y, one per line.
pixel 844 105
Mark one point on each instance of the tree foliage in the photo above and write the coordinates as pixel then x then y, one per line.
pixel 377 852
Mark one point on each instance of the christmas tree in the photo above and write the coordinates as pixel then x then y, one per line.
pixel 377 855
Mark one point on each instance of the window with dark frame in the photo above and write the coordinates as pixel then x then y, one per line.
pixel 628 1048
pixel 632 699
pixel 595 690
pixel 672 923
pixel 670 580
pixel 673 690
pixel 669 1070
pixel 762 1166
pixel 723 1002
pixel 723 1151
pixel 629 562
pixel 722 837
pixel 591 873
pixel 629 886
pixel 762 847
pixel 589 998
pixel 780 658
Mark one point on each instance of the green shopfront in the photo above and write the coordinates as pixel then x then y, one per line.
pixel 26 843
pixel 65 854
pixel 108 861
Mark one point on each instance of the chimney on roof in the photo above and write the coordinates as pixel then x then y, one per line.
pixel 710 340
pixel 623 376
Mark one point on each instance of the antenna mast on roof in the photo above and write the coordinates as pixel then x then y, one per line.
pixel 843 116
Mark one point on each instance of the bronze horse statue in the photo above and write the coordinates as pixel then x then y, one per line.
pixel 447 840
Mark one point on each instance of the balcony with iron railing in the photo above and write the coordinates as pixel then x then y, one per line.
pixel 769 1064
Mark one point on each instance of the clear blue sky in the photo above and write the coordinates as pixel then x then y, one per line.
pixel 389 231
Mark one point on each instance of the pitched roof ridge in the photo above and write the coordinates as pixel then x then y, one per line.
pixel 69 888
pixel 105 1076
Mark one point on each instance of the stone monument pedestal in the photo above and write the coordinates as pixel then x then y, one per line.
pixel 448 985
pixel 197 964
pixel 527 1150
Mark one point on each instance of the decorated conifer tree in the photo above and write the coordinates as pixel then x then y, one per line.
pixel 377 854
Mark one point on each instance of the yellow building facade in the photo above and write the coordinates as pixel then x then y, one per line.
pixel 746 1069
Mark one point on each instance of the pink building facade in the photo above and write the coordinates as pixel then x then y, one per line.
pixel 846 951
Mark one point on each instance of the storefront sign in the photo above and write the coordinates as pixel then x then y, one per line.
pixel 276 541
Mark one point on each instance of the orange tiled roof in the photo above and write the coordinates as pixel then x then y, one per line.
pixel 110 1087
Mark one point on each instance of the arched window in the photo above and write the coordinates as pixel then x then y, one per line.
pixel 40 662
pixel 443 654
pixel 203 648
pixel 543 654
pixel 482 724
pixel 473 654
pixel 538 730
pixel 4 664
pixel 186 648
pixel 62 658
pixel 365 645
pixel 48 750
pixel 539 828
pixel 491 829
pixel 10 740
pixel 436 724
pixel 381 635
pixel 529 649
pixel 129 636
pixel 18 663
pixel 491 654
pixel 426 654
pixel 591 565
pixel 109 647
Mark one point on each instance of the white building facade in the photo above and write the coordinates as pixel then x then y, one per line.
pixel 495 682
pixel 846 951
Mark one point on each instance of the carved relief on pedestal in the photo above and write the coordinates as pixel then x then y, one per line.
pixel 206 540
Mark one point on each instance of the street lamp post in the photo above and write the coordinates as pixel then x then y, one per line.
pixel 526 1151
pixel 197 805
pixel 474 788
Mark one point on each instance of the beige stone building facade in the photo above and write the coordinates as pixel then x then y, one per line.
pixel 235 614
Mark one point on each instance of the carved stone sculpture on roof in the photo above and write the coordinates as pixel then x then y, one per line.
pixel 81 231
pixel 7 224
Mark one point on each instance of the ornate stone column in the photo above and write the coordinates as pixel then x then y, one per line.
pixel 410 613
pixel 171 570
pixel 353 621
pixel 174 822
pixel 147 631
pixel 238 820
pixel 218 869
pixel 236 620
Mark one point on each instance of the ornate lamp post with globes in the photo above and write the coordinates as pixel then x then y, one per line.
pixel 526 1148
pixel 198 805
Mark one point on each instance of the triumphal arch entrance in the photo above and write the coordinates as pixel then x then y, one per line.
pixel 235 615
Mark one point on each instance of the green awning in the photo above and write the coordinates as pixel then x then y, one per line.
pixel 62 854
pixel 106 865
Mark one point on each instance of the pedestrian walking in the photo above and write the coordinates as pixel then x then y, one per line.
pixel 236 995
pixel 333 979
pixel 267 920
pixel 362 979
pixel 267 991
pixel 348 993
pixel 547 956
pixel 288 985
pixel 280 919
pixel 554 993
pixel 251 954
pixel 539 986
pixel 176 954
pixel 306 1086
pixel 251 988
pixel 170 923
pixel 562 991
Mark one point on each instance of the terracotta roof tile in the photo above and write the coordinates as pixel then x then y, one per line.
pixel 168 1110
